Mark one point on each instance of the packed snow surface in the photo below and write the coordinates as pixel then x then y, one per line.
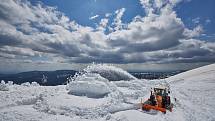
pixel 93 97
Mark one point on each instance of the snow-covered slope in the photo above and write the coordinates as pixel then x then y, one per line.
pixel 200 72
pixel 194 92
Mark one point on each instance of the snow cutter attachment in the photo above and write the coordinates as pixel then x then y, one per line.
pixel 159 100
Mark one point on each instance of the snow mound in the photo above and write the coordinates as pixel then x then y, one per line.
pixel 95 80
pixel 109 72
pixel 90 85
pixel 198 72
pixel 10 83
pixel 3 86
pixel 35 84
pixel 28 84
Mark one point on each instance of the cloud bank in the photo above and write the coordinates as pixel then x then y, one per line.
pixel 34 33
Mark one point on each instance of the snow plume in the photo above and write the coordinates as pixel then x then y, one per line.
pixel 109 72
pixel 97 77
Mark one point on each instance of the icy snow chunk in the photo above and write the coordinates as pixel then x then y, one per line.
pixel 109 72
pixel 27 84
pixel 34 84
pixel 10 83
pixel 3 86
pixel 90 85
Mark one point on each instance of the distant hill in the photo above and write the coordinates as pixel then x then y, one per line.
pixel 50 78
pixel 155 75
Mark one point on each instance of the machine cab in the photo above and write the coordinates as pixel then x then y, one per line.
pixel 161 91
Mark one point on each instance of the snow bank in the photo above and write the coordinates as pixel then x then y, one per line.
pixel 10 83
pixel 35 84
pixel 90 85
pixel 94 81
pixel 28 84
pixel 3 86
pixel 109 72
pixel 94 89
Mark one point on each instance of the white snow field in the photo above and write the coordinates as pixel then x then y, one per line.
pixel 92 96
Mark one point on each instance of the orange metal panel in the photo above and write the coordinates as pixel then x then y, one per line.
pixel 148 107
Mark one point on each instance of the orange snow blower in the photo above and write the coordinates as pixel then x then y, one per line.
pixel 159 100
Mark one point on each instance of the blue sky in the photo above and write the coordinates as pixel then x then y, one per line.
pixel 82 10
pixel 132 34
pixel 188 11
pixel 203 11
